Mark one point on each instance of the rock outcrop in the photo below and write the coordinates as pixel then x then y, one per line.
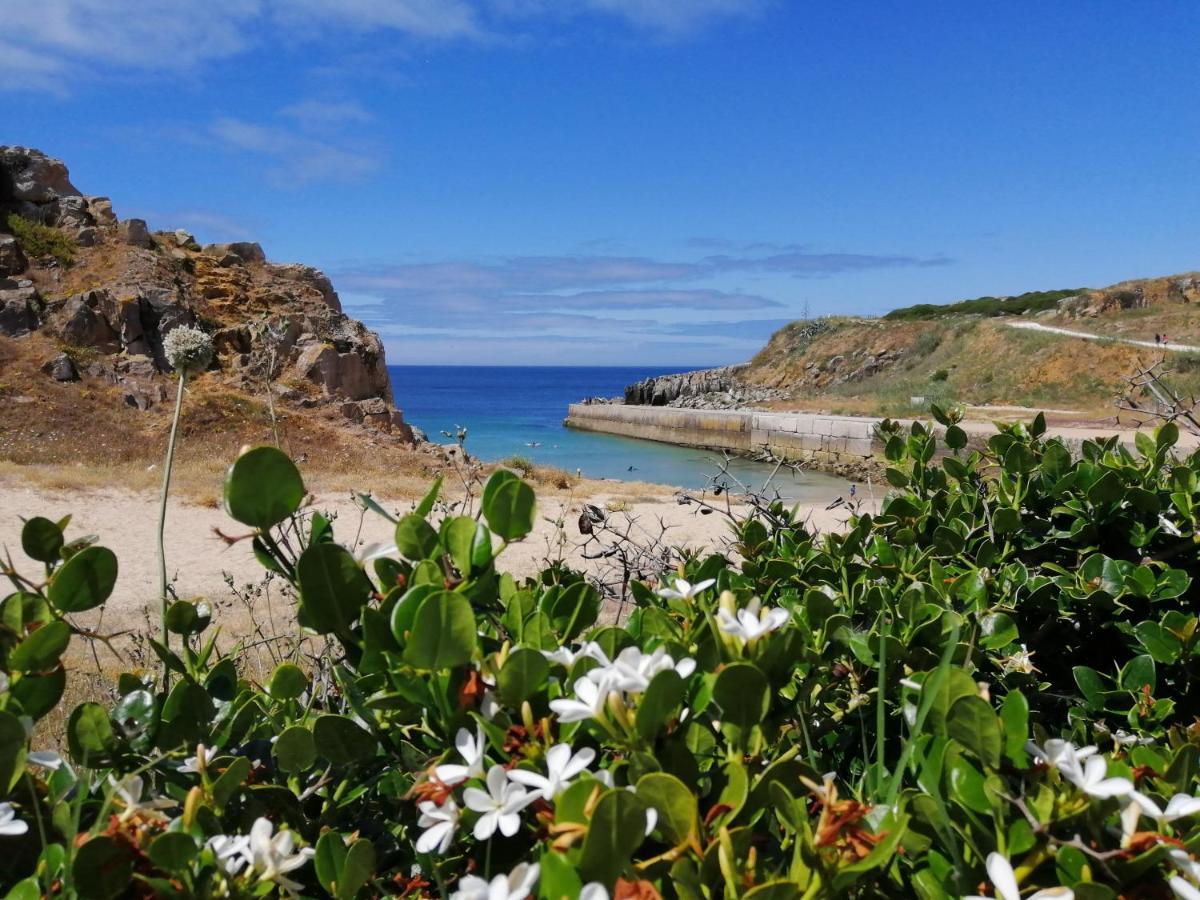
pixel 720 388
pixel 128 287
pixel 1139 294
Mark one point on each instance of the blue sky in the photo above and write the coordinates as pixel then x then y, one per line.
pixel 657 182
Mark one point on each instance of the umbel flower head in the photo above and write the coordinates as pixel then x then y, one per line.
pixel 188 350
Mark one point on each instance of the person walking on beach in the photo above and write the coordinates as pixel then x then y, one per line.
pixel 1157 338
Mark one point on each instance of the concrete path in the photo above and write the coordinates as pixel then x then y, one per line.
pixel 1087 336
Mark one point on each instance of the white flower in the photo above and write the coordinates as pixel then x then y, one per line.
pixel 47 759
pixel 632 670
pixel 1169 527
pixel 501 805
pixel 1090 778
pixel 593 890
pixel 566 657
pixel 1004 880
pixel 685 591
pixel 372 552
pixel 232 851
pixel 488 707
pixel 516 885
pixel 651 819
pixel 271 854
pixel 130 789
pixel 1183 889
pixel 588 702
pixel 440 823
pixel 1057 753
pixel 752 622
pixel 561 767
pixel 471 749
pixel 187 349
pixel 1178 807
pixel 194 765
pixel 10 825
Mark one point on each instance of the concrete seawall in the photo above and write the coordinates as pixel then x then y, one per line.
pixel 844 445
pixel 832 443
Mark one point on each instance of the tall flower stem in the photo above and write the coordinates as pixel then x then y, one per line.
pixel 162 508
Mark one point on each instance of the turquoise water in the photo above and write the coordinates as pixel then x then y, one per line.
pixel 506 409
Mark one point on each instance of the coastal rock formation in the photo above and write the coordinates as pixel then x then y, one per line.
pixel 1139 294
pixel 720 388
pixel 124 287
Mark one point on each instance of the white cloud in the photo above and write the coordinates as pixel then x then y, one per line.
pixel 318 115
pixel 295 159
pixel 54 44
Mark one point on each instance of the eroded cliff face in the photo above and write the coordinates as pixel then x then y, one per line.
pixel 276 327
pixel 721 388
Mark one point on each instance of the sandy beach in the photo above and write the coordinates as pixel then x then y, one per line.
pixel 202 564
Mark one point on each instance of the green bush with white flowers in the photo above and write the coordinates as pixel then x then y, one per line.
pixel 990 687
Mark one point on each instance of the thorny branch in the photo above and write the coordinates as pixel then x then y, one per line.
pixel 1148 394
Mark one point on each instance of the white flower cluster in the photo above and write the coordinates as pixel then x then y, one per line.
pixel 629 673
pixel 187 349
pixel 752 622
pixel 262 854
pixel 507 794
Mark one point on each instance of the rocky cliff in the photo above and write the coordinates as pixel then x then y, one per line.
pixel 103 292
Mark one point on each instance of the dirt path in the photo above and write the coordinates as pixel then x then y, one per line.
pixel 1087 336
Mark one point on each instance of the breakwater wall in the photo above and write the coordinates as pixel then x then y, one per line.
pixel 841 444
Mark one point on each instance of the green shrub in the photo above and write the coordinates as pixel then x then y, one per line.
pixel 40 241
pixel 995 672
pixel 522 464
pixel 940 375
pixel 1021 304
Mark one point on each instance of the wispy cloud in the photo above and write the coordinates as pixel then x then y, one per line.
pixel 636 301
pixel 321 115
pixel 52 44
pixel 295 159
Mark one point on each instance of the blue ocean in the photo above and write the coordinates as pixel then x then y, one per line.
pixel 519 411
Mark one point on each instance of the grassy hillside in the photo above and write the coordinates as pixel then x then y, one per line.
pixel 898 364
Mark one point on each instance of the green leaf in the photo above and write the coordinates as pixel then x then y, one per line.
pixel 41 539
pixel 333 588
pixel 742 692
pixel 342 740
pixel 295 750
pixel 38 694
pixel 443 632
pixel 1014 714
pixel 997 631
pixel 508 505
pixel 90 735
pixel 425 507
pixel 185 617
pixel 616 829
pixel 659 702
pixel 288 682
pixel 263 487
pixel 524 674
pixel 358 869
pixel 102 869
pixel 972 723
pixel 41 649
pixel 1163 646
pixel 1108 488
pixel 12 751
pixel 230 781
pixel 415 538
pixel 675 803
pixel 1138 673
pixel 173 851
pixel 329 860
pixel 573 609
pixel 85 581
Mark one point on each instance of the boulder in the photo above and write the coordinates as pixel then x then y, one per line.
pixel 101 210
pixel 238 251
pixel 69 212
pixel 33 177
pixel 61 368
pixel 87 237
pixel 183 238
pixel 18 309
pixel 83 326
pixel 135 232
pixel 12 260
